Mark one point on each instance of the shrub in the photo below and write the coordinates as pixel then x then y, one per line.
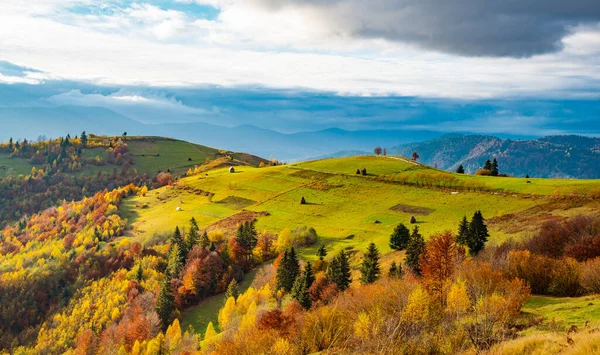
pixel 566 278
pixel 590 275
pixel 550 240
pixel 535 269
pixel 483 172
pixel 299 237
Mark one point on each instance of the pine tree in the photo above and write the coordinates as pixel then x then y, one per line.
pixel 338 271
pixel 204 240
pixel 164 303
pixel 494 168
pixel 288 270
pixel 399 238
pixel 322 252
pixel 139 274
pixel 84 139
pixel 213 247
pixel 192 237
pixel 177 239
pixel 414 249
pixel 300 291
pixel 10 144
pixel 463 232
pixel 478 234
pixel 174 264
pixel 233 290
pixel 370 266
pixel 461 169
pixel 309 274
pixel 488 165
pixel 395 270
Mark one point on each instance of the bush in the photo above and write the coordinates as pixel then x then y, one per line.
pixel 483 172
pixel 590 275
pixel 535 269
pixel 566 278
pixel 299 237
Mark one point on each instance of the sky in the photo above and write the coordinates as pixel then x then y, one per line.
pixel 487 66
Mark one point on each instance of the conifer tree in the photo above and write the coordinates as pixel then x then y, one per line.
pixel 322 252
pixel 213 247
pixel 288 270
pixel 139 274
pixel 463 232
pixel 177 239
pixel 84 139
pixel 192 237
pixel 395 270
pixel 488 165
pixel 399 238
pixel 174 264
pixel 414 249
pixel 164 303
pixel 338 271
pixel 309 274
pixel 494 168
pixel 461 169
pixel 233 290
pixel 370 266
pixel 300 291
pixel 204 240
pixel 478 234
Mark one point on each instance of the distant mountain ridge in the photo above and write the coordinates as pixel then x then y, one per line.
pixel 31 122
pixel 568 156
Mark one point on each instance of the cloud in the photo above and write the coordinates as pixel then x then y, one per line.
pixel 494 28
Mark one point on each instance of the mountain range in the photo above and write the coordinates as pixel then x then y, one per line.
pixel 568 156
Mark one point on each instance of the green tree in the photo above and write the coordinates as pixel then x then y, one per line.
pixel 488 165
pixel 192 237
pixel 414 249
pixel 177 239
pixel 322 252
pixel 309 274
pixel 494 168
pixel 461 169
pixel 370 266
pixel 300 291
pixel 395 270
pixel 10 144
pixel 164 303
pixel 139 273
pixel 84 139
pixel 478 234
pixel 338 271
pixel 463 232
pixel 174 263
pixel 204 240
pixel 288 270
pixel 233 290
pixel 399 238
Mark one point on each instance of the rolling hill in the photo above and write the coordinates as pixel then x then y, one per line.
pixel 552 156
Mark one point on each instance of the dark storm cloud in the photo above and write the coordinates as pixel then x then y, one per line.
pixel 514 28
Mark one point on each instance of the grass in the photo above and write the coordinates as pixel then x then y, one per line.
pixel 569 310
pixel 14 166
pixel 207 311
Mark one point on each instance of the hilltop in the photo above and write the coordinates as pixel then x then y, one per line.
pixel 553 156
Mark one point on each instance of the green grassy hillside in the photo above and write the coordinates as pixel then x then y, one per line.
pixel 349 210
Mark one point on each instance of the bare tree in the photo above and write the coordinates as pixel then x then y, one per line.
pixel 377 150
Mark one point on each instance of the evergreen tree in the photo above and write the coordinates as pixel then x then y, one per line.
pixel 233 290
pixel 164 303
pixel 463 232
pixel 494 169
pixel 174 263
pixel 84 139
pixel 204 241
pixel 10 144
pixel 309 274
pixel 395 270
pixel 177 239
pixel 322 252
pixel 478 234
pixel 139 274
pixel 488 165
pixel 399 238
pixel 461 169
pixel 338 271
pixel 192 237
pixel 213 247
pixel 288 270
pixel 414 249
pixel 300 291
pixel 370 266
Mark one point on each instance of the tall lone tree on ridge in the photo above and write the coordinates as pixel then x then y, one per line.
pixel 400 237
pixel 461 169
pixel 377 150
pixel 415 156
pixel 478 234
pixel 414 249
pixel 369 269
